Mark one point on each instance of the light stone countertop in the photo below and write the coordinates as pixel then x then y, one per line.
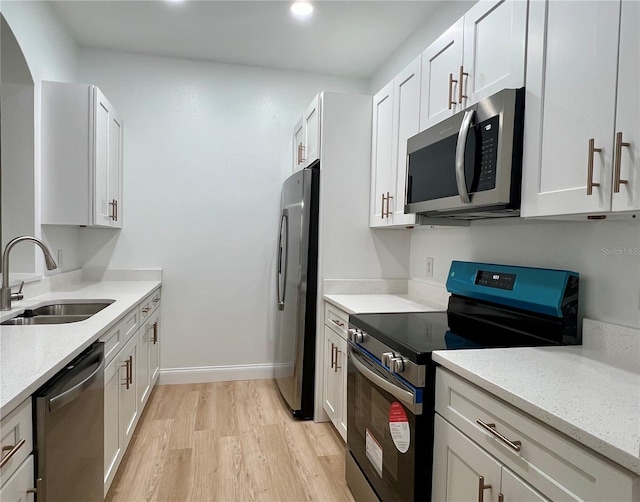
pixel 31 355
pixel 576 390
pixel 381 303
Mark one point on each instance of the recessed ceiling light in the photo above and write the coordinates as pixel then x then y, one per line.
pixel 302 9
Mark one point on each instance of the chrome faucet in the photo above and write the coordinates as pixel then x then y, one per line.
pixel 5 293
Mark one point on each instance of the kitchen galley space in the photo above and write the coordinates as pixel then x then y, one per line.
pixel 372 251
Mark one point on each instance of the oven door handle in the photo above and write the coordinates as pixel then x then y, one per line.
pixel 400 394
pixel 461 146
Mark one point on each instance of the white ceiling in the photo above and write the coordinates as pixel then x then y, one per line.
pixel 344 38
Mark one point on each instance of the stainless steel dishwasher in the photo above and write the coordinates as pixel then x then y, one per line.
pixel 69 431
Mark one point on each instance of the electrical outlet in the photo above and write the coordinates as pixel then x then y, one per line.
pixel 59 258
pixel 429 271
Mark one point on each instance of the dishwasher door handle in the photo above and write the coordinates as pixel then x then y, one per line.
pixel 67 396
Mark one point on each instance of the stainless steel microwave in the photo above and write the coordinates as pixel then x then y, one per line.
pixel 469 166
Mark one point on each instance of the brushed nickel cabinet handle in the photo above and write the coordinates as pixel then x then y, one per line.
pixel 131 370
pixel 333 348
pixel 462 74
pixel 112 205
pixel 451 82
pixel 592 150
pixel 491 428
pixel 339 323
pixel 115 205
pixel 382 208
pixel 155 333
pixel 336 367
pixel 481 488
pixel 126 374
pixel 389 197
pixel 12 451
pixel 618 162
pixel 301 153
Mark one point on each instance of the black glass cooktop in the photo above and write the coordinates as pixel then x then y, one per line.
pixel 413 334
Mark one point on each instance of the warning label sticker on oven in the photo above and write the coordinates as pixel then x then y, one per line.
pixel 399 427
pixel 374 452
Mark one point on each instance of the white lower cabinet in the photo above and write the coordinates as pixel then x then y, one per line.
pixel 16 438
pixel 486 449
pixel 129 377
pixel 334 400
pixel 20 486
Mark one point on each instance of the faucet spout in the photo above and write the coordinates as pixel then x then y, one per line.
pixel 5 292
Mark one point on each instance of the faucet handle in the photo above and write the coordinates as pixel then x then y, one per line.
pixel 18 296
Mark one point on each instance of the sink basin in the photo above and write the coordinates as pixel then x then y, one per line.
pixel 66 309
pixel 47 319
pixel 59 313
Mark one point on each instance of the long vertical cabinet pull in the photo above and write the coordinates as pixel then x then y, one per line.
pixel 592 151
pixel 389 197
pixel 382 208
pixel 126 383
pixel 618 162
pixel 461 95
pixel 451 82
pixel 154 339
pixel 481 488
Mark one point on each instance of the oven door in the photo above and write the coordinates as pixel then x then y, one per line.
pixel 387 435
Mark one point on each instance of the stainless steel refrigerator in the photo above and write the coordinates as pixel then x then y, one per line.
pixel 297 285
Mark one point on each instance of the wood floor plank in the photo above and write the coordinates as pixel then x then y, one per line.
pixel 229 442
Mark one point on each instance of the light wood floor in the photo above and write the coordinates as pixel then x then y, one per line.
pixel 229 441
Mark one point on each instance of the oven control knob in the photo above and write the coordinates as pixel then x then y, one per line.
pixel 396 364
pixel 385 358
pixel 355 335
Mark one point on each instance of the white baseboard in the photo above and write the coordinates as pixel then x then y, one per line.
pixel 205 374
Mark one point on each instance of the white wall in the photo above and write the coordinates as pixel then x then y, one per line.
pixel 206 148
pixel 51 54
pixel 606 254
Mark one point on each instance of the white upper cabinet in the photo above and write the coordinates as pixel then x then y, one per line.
pixel 440 62
pixel 481 54
pixel 626 173
pixel 81 157
pixel 581 154
pixel 306 137
pixel 381 154
pixel 396 117
pixel 494 49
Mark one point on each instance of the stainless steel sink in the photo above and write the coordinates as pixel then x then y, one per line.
pixel 47 319
pixel 70 309
pixel 59 313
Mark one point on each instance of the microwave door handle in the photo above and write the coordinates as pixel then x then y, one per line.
pixel 461 146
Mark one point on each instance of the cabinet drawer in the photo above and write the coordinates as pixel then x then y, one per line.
pixel 555 464
pixel 16 440
pixel 336 319
pixel 149 304
pixel 116 337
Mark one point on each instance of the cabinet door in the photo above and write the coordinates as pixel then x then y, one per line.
pixel 312 132
pixel 128 400
pixel 102 204
pixel 298 144
pixel 381 154
pixel 458 466
pixel 441 63
pixel 571 91
pixel 332 382
pixel 154 349
pixel 627 196
pixel 515 489
pixel 143 364
pixel 406 123
pixel 15 489
pixel 494 49
pixel 114 381
pixel 341 366
pixel 115 169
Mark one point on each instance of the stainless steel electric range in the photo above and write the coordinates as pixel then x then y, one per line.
pixel 391 377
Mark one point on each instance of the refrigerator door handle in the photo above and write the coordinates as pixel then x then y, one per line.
pixel 283 244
